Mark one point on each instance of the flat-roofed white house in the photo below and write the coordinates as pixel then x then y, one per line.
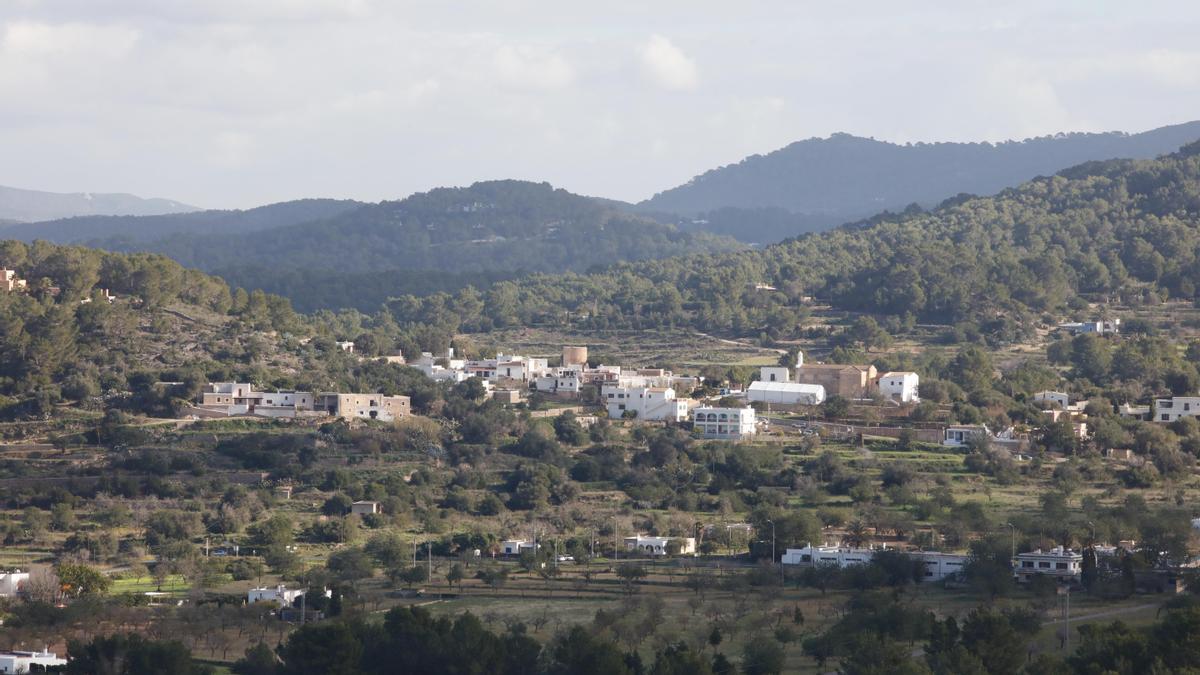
pixel 900 386
pixel 563 383
pixel 644 403
pixel 1174 408
pixel 961 434
pixel 813 556
pixel 937 565
pixel 786 393
pixel 1057 397
pixel 648 545
pixel 13 583
pixel 365 508
pixel 775 374
pixel 728 423
pixel 24 662
pixel 1057 562
pixel 516 546
pixel 280 595
pixel 346 346
pixel 1100 327
pixel 1134 411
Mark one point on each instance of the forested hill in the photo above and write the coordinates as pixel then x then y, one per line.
pixel 994 264
pixel 63 339
pixel 31 205
pixel 833 180
pixel 130 232
pixel 443 239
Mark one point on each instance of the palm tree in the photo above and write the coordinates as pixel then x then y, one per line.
pixel 857 534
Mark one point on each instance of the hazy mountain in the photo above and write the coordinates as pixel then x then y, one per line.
pixel 133 232
pixel 34 205
pixel 1118 230
pixel 842 178
pixel 335 254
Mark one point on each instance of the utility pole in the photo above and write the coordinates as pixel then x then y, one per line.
pixel 1014 541
pixel 615 549
pixel 1068 618
pixel 772 540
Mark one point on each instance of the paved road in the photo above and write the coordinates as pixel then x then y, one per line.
pixel 1106 614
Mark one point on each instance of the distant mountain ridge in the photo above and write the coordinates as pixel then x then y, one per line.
pixel 128 232
pixel 322 253
pixel 842 178
pixel 34 205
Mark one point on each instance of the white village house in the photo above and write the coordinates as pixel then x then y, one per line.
pixel 727 423
pixel 24 662
pixel 900 386
pixel 649 545
pixel 643 403
pixel 1059 562
pixel 13 583
pixel 937 565
pixel 516 546
pixel 280 595
pixel 1171 409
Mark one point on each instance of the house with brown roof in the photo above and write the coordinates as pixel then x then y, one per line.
pixel 848 381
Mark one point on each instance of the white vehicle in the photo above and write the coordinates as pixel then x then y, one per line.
pixel 566 558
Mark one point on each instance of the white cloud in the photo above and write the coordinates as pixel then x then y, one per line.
pixel 38 39
pixel 231 149
pixel 526 67
pixel 241 102
pixel 668 65
pixel 1172 67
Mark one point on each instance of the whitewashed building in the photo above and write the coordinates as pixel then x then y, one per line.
pixel 728 423
pixel 365 508
pixel 563 383
pixel 1057 562
pixel 24 662
pixel 13 583
pixel 775 374
pixel 516 546
pixel 1100 327
pixel 644 403
pixel 900 386
pixel 813 556
pixel 961 434
pixel 786 393
pixel 1056 397
pixel 940 565
pixel 280 595
pixel 648 545
pixel 937 565
pixel 1170 409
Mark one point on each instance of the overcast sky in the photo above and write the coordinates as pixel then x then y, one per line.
pixel 234 103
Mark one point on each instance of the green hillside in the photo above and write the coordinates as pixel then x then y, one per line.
pixel 993 264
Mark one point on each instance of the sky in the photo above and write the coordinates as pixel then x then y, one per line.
pixel 237 103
